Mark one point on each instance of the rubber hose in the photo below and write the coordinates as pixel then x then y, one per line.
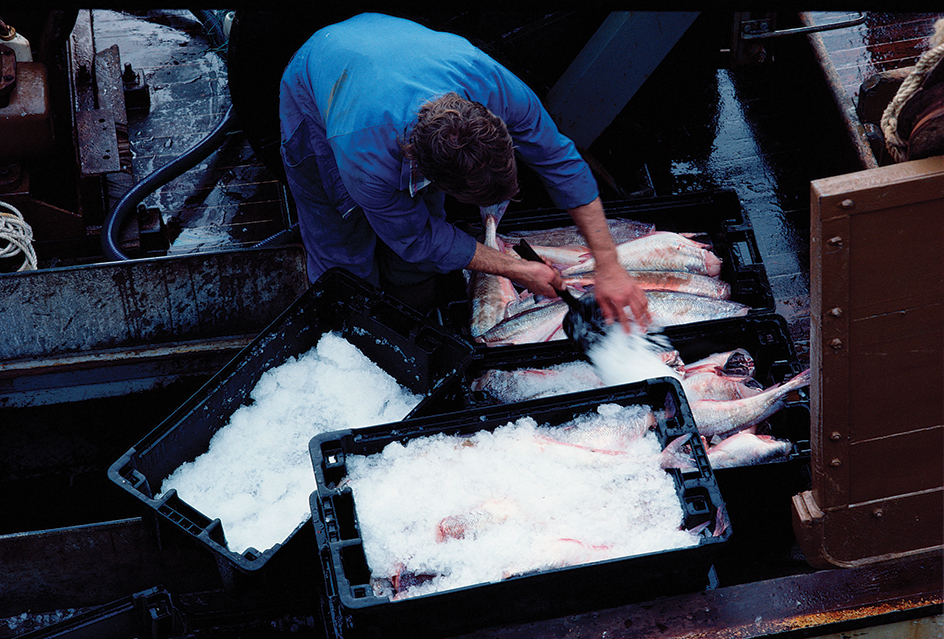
pixel 212 24
pixel 176 167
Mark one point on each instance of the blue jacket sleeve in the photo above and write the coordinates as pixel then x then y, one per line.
pixel 413 227
pixel 540 144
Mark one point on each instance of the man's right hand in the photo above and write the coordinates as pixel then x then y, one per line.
pixel 538 277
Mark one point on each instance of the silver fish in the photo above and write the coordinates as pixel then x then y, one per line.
pixel 622 230
pixel 612 435
pixel 660 251
pixel 716 417
pixel 735 362
pixel 682 282
pixel 714 385
pixel 521 384
pixel 491 294
pixel 669 308
pixel 746 449
pixel 538 324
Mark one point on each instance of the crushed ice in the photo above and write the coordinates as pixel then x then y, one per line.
pixel 444 512
pixel 256 476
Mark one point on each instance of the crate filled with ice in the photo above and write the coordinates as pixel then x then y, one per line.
pixel 512 513
pixel 230 468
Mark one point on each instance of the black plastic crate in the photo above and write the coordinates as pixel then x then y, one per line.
pixel 353 610
pixel 715 214
pixel 758 497
pixel 420 355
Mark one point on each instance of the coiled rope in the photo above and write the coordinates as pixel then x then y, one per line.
pixel 897 147
pixel 16 236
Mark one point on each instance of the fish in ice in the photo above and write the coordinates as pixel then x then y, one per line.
pixel 669 308
pixel 660 251
pixel 522 384
pixel 491 294
pixel 717 417
pixel 611 435
pixel 474 521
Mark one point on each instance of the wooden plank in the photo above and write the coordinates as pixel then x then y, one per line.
pixel 798 606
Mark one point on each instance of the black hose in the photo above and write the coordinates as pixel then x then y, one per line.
pixel 214 27
pixel 176 167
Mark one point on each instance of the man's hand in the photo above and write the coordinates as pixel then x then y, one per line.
pixel 613 287
pixel 538 277
pixel 614 290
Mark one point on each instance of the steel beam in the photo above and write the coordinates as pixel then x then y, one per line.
pixel 605 75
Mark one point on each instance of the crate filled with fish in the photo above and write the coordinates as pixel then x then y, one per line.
pixel 740 377
pixel 505 514
pixel 694 256
pixel 743 382
pixel 230 469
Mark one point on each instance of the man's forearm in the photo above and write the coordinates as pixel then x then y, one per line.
pixel 591 221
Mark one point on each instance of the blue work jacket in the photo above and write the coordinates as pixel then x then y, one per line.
pixel 347 98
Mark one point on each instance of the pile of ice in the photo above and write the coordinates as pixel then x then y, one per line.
pixel 256 475
pixel 444 512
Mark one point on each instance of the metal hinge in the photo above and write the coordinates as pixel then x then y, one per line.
pixel 763 28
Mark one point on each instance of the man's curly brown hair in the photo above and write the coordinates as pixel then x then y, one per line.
pixel 465 150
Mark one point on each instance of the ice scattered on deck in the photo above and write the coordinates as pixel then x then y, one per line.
pixel 520 499
pixel 256 475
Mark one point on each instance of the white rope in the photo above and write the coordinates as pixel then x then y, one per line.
pixel 16 236
pixel 897 147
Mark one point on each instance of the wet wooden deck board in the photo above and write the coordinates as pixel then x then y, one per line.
pixel 884 42
pixel 849 56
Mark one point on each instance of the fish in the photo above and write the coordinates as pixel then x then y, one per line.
pixel 715 385
pixel 669 308
pixel 734 362
pixel 659 251
pixel 682 282
pixel 522 384
pixel 608 436
pixel 564 256
pixel 746 449
pixel 717 417
pixel 621 229
pixel 491 294
pixel 538 324
pixel 474 521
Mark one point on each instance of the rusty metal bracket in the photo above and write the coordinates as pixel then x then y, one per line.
pixel 762 29
pixel 98 142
